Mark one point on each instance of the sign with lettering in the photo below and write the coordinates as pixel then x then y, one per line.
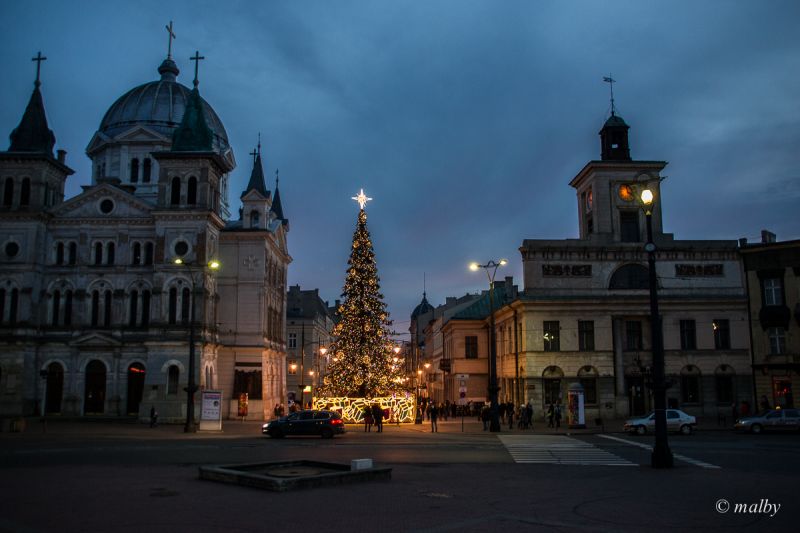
pixel 567 270
pixel 211 410
pixel 696 271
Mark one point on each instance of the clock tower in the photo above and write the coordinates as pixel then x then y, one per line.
pixel 608 191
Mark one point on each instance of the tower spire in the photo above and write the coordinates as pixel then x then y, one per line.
pixel 32 133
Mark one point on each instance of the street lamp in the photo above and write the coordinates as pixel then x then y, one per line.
pixel 191 386
pixel 662 455
pixel 491 269
pixel 322 350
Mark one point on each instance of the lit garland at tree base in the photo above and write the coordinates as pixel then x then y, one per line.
pixel 399 407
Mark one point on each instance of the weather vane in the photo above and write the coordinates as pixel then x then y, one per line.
pixel 361 199
pixel 611 81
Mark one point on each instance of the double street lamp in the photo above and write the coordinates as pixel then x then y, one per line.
pixel 191 385
pixel 662 455
pixel 314 369
pixel 491 269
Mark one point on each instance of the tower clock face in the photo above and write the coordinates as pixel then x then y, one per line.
pixel 626 192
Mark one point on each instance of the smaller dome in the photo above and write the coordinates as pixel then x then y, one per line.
pixel 422 308
pixel 615 121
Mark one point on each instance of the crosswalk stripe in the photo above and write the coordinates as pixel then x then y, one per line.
pixel 556 449
pixel 678 456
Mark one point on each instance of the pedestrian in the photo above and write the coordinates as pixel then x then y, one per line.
pixel 558 415
pixel 444 410
pixel 433 414
pixel 734 412
pixel 529 415
pixel 276 410
pixel 153 417
pixel 551 415
pixel 501 411
pixel 764 405
pixel 367 420
pixel 510 414
pixel 377 415
pixel 428 410
pixel 485 417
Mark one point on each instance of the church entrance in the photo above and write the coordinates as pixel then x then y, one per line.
pixel 94 399
pixel 54 389
pixel 135 387
pixel 636 396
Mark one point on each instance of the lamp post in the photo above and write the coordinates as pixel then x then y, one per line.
pixel 322 351
pixel 191 385
pixel 491 269
pixel 662 455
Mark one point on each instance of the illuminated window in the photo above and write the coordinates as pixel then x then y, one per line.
pixel 552 341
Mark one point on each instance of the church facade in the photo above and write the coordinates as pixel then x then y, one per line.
pixel 100 293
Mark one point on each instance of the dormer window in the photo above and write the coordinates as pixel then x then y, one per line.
pixel 254 219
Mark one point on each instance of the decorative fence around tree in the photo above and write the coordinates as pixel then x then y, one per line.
pixel 398 408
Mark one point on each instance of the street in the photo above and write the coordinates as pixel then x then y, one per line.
pixel 121 477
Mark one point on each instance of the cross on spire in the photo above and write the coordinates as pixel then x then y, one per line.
pixel 197 57
pixel 39 58
pixel 254 153
pixel 611 81
pixel 276 179
pixel 169 43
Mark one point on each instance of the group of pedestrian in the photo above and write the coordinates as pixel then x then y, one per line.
pixel 373 415
pixel 554 415
pixel 278 410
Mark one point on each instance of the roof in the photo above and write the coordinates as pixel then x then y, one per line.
pixel 193 134
pixel 480 308
pixel 257 178
pixel 32 134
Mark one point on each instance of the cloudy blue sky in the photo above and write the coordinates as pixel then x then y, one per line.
pixel 464 120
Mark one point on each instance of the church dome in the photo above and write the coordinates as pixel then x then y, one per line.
pixel 159 106
pixel 422 308
pixel 615 121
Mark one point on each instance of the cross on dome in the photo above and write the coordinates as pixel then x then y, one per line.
pixel 362 199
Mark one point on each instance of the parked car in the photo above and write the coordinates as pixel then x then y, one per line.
pixel 771 420
pixel 326 424
pixel 677 420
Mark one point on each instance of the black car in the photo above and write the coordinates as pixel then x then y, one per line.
pixel 326 424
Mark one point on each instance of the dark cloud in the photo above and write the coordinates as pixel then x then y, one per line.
pixel 465 120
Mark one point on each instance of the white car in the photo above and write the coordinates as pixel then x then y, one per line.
pixel 677 420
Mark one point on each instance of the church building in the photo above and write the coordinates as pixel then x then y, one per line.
pixel 104 296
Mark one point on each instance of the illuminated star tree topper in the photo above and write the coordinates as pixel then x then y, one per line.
pixel 362 199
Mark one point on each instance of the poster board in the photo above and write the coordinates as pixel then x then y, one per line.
pixel 211 410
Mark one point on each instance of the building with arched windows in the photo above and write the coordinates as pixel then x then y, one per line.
pixel 94 312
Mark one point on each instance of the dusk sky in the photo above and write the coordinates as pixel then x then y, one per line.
pixel 464 120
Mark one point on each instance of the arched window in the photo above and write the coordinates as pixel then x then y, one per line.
pixel 68 308
pixel 191 191
pixel 95 308
pixel 107 309
pixel 145 308
pixel 134 170
pixel 73 253
pixel 254 219
pixel 8 192
pixel 172 379
pixel 12 307
pixel 25 193
pixel 587 377
pixel 175 198
pixel 148 253
pixel 690 385
pixel 56 305
pixel 173 305
pixel 110 253
pixel 136 257
pixel 551 380
pixel 185 301
pixel 629 277
pixel 60 253
pixel 146 170
pixel 133 308
pixel 98 253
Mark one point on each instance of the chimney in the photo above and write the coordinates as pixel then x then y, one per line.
pixel 742 242
pixel 62 156
pixel 767 237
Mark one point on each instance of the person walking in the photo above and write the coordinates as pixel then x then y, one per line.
pixel 377 414
pixel 510 414
pixel 558 415
pixel 485 417
pixel 529 415
pixel 367 419
pixel 551 415
pixel 153 417
pixel 434 415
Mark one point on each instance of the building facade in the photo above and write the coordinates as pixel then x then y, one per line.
pixel 95 314
pixel 773 282
pixel 309 323
pixel 584 316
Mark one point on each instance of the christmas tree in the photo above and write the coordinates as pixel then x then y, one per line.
pixel 362 363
